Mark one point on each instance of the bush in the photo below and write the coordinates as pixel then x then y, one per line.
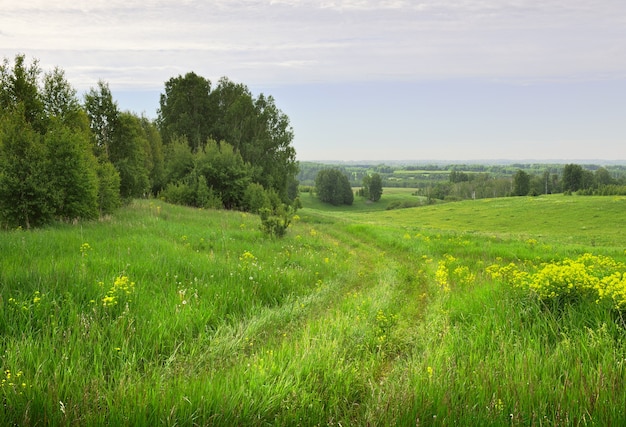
pixel 179 194
pixel 403 204
pixel 255 198
pixel 276 222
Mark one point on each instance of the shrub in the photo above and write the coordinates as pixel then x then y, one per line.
pixel 275 222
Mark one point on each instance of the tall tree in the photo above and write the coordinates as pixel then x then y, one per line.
pixel 104 116
pixel 376 187
pixel 25 193
pixel 254 127
pixel 46 161
pixel 186 110
pixel 572 177
pixel 71 172
pixel 521 183
pixel 272 147
pixel 154 161
pixel 128 151
pixel 60 101
pixel 20 85
pixel 603 177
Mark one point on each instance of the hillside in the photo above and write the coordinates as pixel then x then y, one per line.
pixel 163 315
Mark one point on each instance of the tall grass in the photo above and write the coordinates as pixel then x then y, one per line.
pixel 162 315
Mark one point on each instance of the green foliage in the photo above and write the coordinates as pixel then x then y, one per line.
pixel 186 110
pixel 179 160
pixel 206 197
pixel 225 172
pixel 154 158
pixel 122 139
pixel 103 118
pixel 256 198
pixel 26 199
pixel 128 151
pixel 372 187
pixel 275 222
pixel 521 183
pixel 181 193
pixel 108 188
pixel 332 186
pixel 215 175
pixel 60 101
pixel 572 177
pixel 19 88
pixel 254 127
pixel 404 204
pixel 71 171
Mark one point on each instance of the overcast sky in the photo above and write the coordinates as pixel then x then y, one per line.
pixel 363 79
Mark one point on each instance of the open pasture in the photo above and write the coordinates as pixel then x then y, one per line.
pixel 438 315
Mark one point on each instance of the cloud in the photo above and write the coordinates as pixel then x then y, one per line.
pixel 142 43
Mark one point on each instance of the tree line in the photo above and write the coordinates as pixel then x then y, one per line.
pixel 334 184
pixel 65 159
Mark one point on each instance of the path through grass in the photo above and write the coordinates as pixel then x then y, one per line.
pixel 163 315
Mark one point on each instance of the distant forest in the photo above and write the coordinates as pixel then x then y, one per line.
pixel 466 181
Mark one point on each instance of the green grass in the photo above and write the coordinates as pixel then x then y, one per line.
pixel 345 321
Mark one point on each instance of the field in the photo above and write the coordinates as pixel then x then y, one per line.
pixel 488 312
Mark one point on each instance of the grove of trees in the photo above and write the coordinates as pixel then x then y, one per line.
pixel 63 159
pixel 332 186
pixel 372 187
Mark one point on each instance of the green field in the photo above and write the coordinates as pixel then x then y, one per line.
pixel 488 312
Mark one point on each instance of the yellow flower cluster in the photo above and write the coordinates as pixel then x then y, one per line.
pixel 122 287
pixel 247 257
pixel 588 276
pixel 450 272
pixel 27 304
pixel 11 381
pixel 85 248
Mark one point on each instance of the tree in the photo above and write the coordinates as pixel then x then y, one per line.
pixel 603 177
pixel 154 160
pixel 572 177
pixel 25 192
pixel 333 187
pixel 128 151
pixel 373 187
pixel 19 86
pixel 254 127
pixel 71 172
pixel 186 110
pixel 271 148
pixel 108 188
pixel 46 160
pixel 103 118
pixel 60 101
pixel 521 183
pixel 225 172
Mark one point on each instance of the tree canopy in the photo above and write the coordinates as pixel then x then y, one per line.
pixel 333 187
pixel 47 165
pixel 372 187
pixel 254 126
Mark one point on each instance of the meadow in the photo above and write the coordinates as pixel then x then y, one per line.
pixel 488 312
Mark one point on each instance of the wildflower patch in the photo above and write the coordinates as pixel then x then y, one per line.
pixel 120 292
pixel 588 277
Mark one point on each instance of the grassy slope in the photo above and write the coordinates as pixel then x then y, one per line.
pixel 340 322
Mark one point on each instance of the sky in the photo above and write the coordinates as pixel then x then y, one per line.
pixel 363 79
